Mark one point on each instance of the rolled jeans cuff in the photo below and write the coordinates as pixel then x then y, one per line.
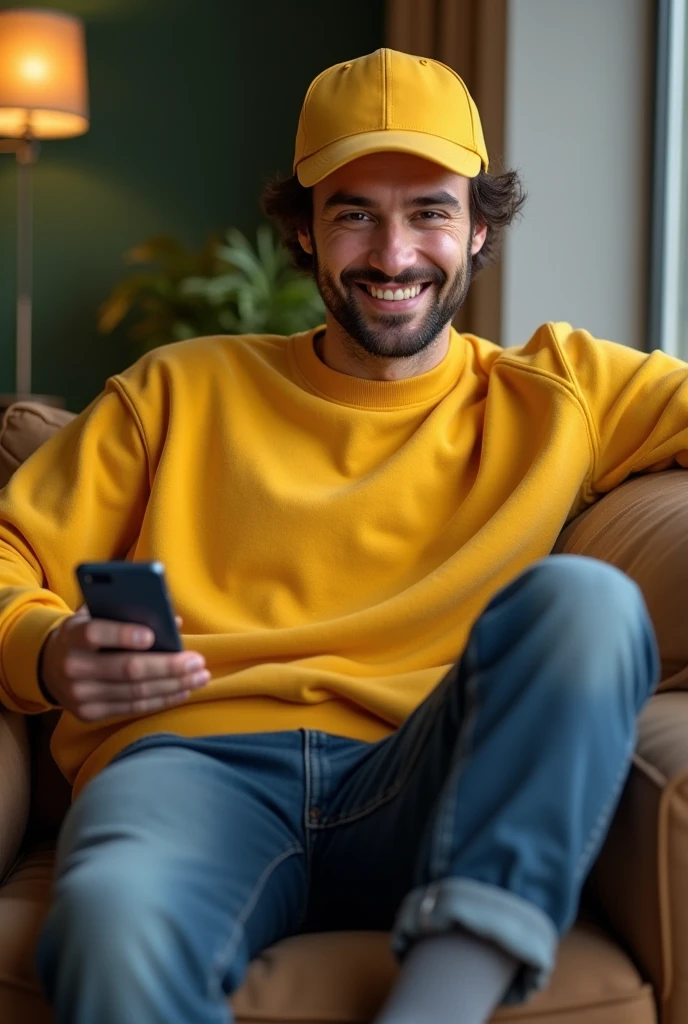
pixel 495 914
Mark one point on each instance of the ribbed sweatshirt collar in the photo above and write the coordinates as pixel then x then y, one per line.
pixel 425 389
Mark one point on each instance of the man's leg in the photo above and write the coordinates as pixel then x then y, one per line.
pixel 176 865
pixel 480 817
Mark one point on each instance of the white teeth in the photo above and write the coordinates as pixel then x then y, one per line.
pixel 394 296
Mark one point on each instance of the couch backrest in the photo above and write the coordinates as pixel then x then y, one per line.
pixel 25 426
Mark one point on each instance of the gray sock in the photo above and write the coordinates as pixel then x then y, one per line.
pixel 456 978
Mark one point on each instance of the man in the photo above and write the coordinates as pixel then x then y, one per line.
pixel 392 711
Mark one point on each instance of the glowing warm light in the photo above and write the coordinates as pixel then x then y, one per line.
pixel 33 68
pixel 43 84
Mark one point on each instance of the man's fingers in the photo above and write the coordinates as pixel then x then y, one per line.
pixel 87 691
pixel 132 668
pixel 99 710
pixel 93 634
pixel 99 633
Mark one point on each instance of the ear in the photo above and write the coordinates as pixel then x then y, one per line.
pixel 479 236
pixel 305 241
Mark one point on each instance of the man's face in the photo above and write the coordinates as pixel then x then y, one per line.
pixel 386 226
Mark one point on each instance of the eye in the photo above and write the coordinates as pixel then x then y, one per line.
pixel 431 215
pixel 354 216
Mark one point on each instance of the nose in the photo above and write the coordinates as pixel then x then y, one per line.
pixel 392 250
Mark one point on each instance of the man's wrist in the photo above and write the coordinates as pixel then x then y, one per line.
pixel 47 695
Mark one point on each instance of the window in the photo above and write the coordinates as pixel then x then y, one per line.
pixel 683 275
pixel 668 321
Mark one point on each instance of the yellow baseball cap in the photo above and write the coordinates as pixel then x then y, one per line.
pixel 386 101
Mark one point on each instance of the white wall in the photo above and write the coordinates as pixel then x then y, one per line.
pixel 579 128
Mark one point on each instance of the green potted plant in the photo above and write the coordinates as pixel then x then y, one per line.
pixel 228 287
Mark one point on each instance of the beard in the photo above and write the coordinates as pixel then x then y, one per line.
pixel 393 335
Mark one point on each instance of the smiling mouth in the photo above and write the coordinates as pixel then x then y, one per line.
pixel 396 294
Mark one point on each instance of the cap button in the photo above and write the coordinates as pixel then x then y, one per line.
pixel 422 61
pixel 345 67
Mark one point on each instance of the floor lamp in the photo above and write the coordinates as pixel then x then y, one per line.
pixel 43 95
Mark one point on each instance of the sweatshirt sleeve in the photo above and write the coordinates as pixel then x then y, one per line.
pixel 80 497
pixel 636 406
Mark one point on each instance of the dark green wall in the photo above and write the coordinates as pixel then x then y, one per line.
pixel 193 103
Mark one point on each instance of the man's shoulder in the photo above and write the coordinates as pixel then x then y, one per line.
pixel 203 358
pixel 214 347
pixel 558 349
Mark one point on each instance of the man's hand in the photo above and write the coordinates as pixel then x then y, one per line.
pixel 93 685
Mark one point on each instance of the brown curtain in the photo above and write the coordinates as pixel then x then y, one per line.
pixel 469 36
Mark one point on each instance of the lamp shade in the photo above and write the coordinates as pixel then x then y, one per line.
pixel 43 83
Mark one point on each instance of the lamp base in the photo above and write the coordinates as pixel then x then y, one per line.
pixel 56 401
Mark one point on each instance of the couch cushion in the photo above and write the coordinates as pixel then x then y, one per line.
pixel 15 779
pixel 25 426
pixel 336 978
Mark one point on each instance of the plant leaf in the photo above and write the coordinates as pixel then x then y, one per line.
pixel 229 321
pixel 113 311
pixel 174 258
pixel 267 252
pixel 123 297
pixel 153 324
pixel 182 331
pixel 227 287
pixel 299 289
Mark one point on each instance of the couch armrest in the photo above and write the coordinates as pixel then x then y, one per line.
pixel 15 783
pixel 641 877
pixel 642 528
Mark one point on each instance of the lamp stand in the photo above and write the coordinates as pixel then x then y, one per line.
pixel 26 152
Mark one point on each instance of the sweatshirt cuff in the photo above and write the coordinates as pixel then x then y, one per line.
pixel 20 653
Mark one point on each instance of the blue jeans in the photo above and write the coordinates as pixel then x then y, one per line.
pixel 184 858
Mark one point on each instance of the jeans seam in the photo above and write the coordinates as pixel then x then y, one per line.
pixel 306 824
pixel 225 954
pixel 440 852
pixel 345 818
pixel 605 814
pixel 308 796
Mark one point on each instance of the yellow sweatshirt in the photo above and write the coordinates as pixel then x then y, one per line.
pixel 328 540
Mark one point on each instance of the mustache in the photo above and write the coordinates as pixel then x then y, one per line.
pixel 402 280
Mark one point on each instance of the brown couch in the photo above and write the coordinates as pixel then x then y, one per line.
pixel 626 959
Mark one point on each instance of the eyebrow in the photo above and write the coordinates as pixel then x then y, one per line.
pixel 440 198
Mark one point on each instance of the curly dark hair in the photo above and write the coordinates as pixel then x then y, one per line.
pixel 495 201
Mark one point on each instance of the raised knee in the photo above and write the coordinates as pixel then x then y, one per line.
pixel 587 591
pixel 579 632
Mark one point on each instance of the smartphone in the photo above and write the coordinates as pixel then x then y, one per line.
pixel 131 592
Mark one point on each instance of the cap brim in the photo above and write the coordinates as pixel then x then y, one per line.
pixel 430 147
